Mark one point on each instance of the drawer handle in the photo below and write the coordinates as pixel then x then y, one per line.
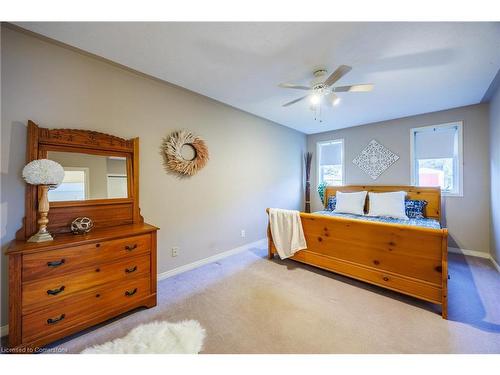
pixel 130 247
pixel 55 320
pixel 56 263
pixel 129 293
pixel 131 269
pixel 385 278
pixel 53 292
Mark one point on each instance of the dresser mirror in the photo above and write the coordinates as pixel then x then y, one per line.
pixel 89 176
pixel 101 179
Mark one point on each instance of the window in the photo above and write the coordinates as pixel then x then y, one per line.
pixel 436 157
pixel 117 186
pixel 74 186
pixel 331 162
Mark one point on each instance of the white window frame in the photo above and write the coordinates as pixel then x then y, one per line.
pixel 120 175
pixel 460 157
pixel 86 181
pixel 86 185
pixel 318 157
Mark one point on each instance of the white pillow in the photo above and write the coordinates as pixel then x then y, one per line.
pixel 388 204
pixel 350 203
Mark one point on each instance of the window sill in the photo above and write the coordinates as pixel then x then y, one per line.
pixel 452 195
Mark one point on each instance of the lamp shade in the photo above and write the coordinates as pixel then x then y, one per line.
pixel 43 172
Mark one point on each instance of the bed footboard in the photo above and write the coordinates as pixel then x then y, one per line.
pixel 407 259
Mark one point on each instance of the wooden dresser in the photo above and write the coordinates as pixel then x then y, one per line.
pixel 60 287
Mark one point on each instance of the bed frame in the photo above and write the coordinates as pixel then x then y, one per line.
pixel 407 259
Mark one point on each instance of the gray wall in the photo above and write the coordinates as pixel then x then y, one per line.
pixel 253 164
pixel 468 216
pixel 495 174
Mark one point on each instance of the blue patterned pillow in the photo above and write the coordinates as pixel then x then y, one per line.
pixel 415 209
pixel 332 202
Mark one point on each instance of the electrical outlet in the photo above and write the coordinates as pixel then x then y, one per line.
pixel 175 251
pixel 243 233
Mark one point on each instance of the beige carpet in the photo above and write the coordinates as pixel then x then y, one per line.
pixel 248 304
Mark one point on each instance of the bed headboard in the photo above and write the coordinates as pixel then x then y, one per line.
pixel 430 194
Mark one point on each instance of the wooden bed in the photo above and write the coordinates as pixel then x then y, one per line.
pixel 408 259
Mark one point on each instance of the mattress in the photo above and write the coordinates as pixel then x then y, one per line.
pixel 426 223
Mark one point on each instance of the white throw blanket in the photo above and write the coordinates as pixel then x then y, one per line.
pixel 287 232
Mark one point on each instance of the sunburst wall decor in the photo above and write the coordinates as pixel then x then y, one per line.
pixel 374 159
pixel 172 153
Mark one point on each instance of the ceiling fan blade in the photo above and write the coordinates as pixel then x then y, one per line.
pixel 294 101
pixel 354 88
pixel 341 71
pixel 293 86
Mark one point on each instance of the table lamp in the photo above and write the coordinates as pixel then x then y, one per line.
pixel 46 174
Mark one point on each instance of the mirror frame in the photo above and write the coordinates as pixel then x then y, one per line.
pixel 104 212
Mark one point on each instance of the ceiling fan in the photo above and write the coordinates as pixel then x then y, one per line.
pixel 321 87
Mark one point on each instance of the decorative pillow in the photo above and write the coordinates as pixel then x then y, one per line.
pixel 332 202
pixel 388 204
pixel 415 209
pixel 351 203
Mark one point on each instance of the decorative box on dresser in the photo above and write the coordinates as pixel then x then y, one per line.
pixel 59 287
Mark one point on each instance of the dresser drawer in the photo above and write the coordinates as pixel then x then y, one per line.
pixel 82 307
pixel 36 294
pixel 57 262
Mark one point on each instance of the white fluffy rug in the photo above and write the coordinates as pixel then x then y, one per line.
pixel 156 338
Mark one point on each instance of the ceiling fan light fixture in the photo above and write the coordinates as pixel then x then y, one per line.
pixel 315 99
pixel 324 88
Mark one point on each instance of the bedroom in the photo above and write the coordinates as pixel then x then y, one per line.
pixel 384 108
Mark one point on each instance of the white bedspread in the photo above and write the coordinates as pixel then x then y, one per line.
pixel 287 232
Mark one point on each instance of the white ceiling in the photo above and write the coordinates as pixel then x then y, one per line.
pixel 416 67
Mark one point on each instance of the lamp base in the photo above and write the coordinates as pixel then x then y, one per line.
pixel 43 209
pixel 41 237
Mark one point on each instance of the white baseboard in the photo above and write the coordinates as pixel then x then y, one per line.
pixel 474 253
pixel 211 259
pixel 495 264
pixel 4 330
